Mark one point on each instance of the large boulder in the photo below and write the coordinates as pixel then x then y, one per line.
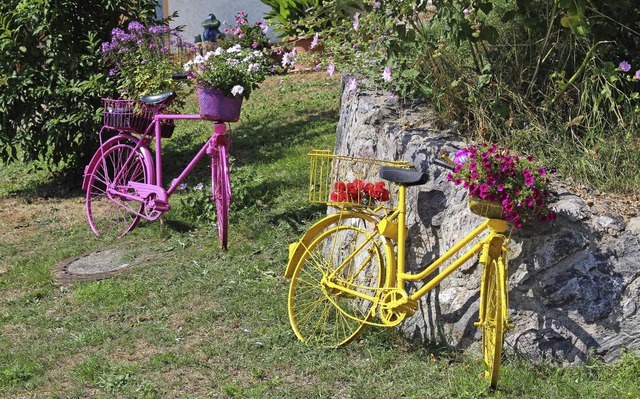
pixel 574 286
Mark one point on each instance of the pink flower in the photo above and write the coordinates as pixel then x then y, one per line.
pixel 638 74
pixel 254 45
pixel 461 156
pixel 386 74
pixel 352 85
pixel 466 11
pixel 331 68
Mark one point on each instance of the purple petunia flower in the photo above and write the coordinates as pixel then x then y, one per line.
pixel 314 42
pixel 356 20
pixel 461 156
pixel 638 74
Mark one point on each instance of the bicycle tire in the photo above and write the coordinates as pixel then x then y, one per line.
pixel 221 191
pixel 326 317
pixel 494 297
pixel 110 215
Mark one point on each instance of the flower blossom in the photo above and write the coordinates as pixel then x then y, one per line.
pixel 289 58
pixel 237 89
pixel 386 74
pixel 314 42
pixel 638 74
pixel 466 11
pixel 461 156
pixel 624 66
pixel 352 85
pixel 199 187
pixel 331 68
pixel 356 20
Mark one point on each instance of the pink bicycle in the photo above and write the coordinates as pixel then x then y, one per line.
pixel 123 181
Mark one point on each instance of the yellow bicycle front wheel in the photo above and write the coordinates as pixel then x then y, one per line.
pixel 493 303
pixel 343 257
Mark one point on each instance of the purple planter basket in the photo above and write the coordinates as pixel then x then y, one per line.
pixel 215 106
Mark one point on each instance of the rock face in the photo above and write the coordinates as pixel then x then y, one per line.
pixel 574 284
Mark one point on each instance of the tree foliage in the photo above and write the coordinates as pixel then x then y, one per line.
pixel 52 74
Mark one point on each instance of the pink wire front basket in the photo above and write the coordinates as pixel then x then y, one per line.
pixel 132 116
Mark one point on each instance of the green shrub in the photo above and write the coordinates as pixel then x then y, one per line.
pixel 52 75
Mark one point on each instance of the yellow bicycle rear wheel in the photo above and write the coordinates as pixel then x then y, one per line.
pixel 493 305
pixel 320 312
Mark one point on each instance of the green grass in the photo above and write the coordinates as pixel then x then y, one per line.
pixel 193 321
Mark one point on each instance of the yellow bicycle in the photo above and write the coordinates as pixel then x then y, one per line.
pixel 345 273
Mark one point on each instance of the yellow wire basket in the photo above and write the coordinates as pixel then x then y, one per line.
pixel 345 181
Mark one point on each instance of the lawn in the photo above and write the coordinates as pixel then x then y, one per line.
pixel 193 321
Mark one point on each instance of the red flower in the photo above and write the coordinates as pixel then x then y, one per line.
pixel 339 196
pixel 378 191
pixel 356 190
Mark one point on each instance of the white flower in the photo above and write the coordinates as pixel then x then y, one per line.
pixel 255 67
pixel 219 51
pixel 234 49
pixel 289 58
pixel 237 89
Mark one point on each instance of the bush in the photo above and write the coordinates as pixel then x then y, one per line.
pixel 52 75
pixel 510 71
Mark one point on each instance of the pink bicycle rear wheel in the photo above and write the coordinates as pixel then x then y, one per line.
pixel 108 212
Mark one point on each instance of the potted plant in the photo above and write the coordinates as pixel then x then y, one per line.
pixel 224 77
pixel 503 185
pixel 142 60
pixel 301 22
pixel 245 34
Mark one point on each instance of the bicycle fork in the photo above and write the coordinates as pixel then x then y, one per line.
pixel 218 143
pixel 493 256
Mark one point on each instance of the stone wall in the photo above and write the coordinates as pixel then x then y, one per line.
pixel 573 284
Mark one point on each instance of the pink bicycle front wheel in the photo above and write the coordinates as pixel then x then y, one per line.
pixel 221 190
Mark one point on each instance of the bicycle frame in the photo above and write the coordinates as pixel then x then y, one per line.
pixel 397 276
pixel 217 139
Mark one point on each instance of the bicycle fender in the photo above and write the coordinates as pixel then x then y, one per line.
pixel 146 156
pixel 297 249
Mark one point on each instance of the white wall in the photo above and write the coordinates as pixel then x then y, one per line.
pixel 193 12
